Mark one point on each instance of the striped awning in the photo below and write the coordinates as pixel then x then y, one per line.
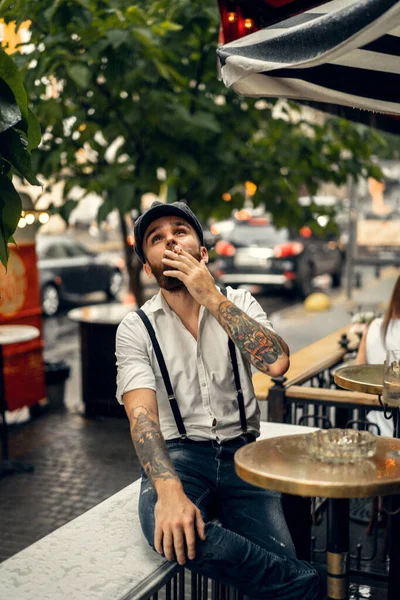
pixel 344 53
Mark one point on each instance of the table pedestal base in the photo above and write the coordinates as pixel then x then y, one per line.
pixel 337 557
pixel 9 467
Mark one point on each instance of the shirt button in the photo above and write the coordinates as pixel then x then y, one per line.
pixel 203 385
pixel 214 422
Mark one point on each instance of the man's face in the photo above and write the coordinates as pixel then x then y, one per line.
pixel 164 234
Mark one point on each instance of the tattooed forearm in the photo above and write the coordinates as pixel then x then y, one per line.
pixel 150 446
pixel 261 346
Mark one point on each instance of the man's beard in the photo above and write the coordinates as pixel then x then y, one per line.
pixel 171 284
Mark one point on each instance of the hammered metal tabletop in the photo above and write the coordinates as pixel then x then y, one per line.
pixel 361 378
pixel 283 464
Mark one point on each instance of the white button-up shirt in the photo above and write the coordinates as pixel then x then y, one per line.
pixel 200 371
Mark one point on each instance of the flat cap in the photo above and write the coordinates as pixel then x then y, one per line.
pixel 158 210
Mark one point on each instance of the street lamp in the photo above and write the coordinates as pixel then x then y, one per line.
pixel 30 214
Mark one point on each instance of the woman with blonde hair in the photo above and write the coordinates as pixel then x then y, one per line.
pixel 381 335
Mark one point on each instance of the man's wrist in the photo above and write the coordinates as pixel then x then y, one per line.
pixel 164 487
pixel 214 300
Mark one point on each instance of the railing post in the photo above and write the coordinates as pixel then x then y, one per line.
pixel 277 404
pixel 343 415
pixel 344 342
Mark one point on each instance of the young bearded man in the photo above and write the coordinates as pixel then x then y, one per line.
pixel 191 409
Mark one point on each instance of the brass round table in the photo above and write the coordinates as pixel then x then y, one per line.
pixel 361 378
pixel 368 379
pixel 283 464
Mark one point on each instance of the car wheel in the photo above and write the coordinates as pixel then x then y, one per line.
pixel 305 286
pixel 50 300
pixel 114 284
pixel 337 279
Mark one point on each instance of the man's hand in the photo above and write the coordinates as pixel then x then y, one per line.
pixel 194 274
pixel 263 347
pixel 177 520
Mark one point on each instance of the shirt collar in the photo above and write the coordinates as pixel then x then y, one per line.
pixel 158 303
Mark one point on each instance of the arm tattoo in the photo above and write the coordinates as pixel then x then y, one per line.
pixel 150 446
pixel 260 345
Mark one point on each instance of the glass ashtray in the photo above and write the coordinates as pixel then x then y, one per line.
pixel 341 445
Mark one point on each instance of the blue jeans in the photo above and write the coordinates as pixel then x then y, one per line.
pixel 251 549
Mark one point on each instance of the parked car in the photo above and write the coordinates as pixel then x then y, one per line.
pixel 254 252
pixel 69 270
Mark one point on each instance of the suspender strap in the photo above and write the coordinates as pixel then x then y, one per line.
pixel 232 352
pixel 164 372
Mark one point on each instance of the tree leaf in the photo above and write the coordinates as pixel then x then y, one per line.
pixel 104 210
pixel 80 74
pixel 15 151
pixel 34 132
pixel 51 11
pixel 10 74
pixel 117 37
pixel 66 209
pixel 10 113
pixel 5 4
pixel 10 213
pixel 169 26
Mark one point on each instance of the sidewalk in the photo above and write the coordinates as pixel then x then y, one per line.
pixel 79 463
pixel 300 328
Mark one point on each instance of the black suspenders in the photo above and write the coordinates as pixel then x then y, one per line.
pixel 167 382
pixel 164 373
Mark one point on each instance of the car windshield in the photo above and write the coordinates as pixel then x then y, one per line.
pixel 248 234
pixel 50 249
pixel 76 249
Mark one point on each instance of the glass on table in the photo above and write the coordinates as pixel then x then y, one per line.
pixel 391 379
pixel 391 386
pixel 341 445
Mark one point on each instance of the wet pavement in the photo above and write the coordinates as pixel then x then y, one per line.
pixel 78 463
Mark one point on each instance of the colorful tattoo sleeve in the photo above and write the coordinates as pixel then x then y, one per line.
pixel 260 345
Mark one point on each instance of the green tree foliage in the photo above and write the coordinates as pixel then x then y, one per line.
pixel 19 133
pixel 142 78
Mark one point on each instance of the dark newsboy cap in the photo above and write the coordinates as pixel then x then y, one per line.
pixel 158 210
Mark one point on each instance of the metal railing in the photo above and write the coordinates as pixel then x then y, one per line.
pixel 180 584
